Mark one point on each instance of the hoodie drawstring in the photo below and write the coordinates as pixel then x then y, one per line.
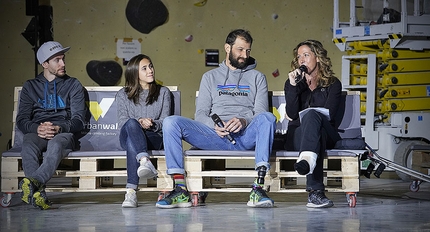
pixel 55 95
pixel 227 75
pixel 45 92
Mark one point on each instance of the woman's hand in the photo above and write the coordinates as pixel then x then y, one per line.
pixel 146 123
pixel 292 76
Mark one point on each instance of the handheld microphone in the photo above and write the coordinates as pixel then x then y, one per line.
pixel 300 77
pixel 217 120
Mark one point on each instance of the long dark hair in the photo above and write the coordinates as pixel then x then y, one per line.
pixel 132 85
pixel 325 73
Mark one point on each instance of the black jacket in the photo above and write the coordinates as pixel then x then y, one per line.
pixel 300 97
pixel 61 101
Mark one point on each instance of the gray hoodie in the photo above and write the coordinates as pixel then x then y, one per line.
pixel 240 93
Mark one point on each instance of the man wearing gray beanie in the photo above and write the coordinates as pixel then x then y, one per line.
pixel 51 110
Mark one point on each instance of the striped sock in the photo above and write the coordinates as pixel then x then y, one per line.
pixel 256 184
pixel 179 180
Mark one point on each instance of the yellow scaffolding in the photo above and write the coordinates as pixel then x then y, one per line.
pixel 409 65
pixel 409 91
pixel 407 104
pixel 406 78
pixel 402 76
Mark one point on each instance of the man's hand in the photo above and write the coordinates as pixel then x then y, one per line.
pixel 47 130
pixel 221 131
pixel 146 123
pixel 234 125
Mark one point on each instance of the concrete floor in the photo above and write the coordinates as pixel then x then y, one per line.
pixel 382 205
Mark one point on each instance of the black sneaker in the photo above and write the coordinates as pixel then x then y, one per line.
pixel 317 199
pixel 28 186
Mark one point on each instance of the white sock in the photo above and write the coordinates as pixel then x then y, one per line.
pixel 310 157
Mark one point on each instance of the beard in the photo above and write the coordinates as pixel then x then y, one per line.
pixel 59 72
pixel 236 63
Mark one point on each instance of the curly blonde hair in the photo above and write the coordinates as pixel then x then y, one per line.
pixel 325 73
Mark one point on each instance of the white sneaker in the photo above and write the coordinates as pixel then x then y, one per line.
pixel 130 199
pixel 146 169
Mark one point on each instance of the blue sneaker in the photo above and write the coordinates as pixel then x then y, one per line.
pixel 258 198
pixel 177 198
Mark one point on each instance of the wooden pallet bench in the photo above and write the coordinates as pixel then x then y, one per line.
pixel 88 172
pixel 341 172
pixel 209 171
pixel 219 171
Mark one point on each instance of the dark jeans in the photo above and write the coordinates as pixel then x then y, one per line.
pixel 315 134
pixel 53 150
pixel 137 142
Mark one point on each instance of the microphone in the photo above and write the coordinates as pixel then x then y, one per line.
pixel 217 120
pixel 300 77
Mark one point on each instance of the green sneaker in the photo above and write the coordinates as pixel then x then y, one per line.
pixel 258 198
pixel 40 200
pixel 28 186
pixel 177 198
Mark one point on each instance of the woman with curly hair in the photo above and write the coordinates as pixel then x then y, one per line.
pixel 312 84
pixel 142 106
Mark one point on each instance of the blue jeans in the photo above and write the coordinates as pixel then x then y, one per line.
pixel 53 150
pixel 257 135
pixel 137 142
